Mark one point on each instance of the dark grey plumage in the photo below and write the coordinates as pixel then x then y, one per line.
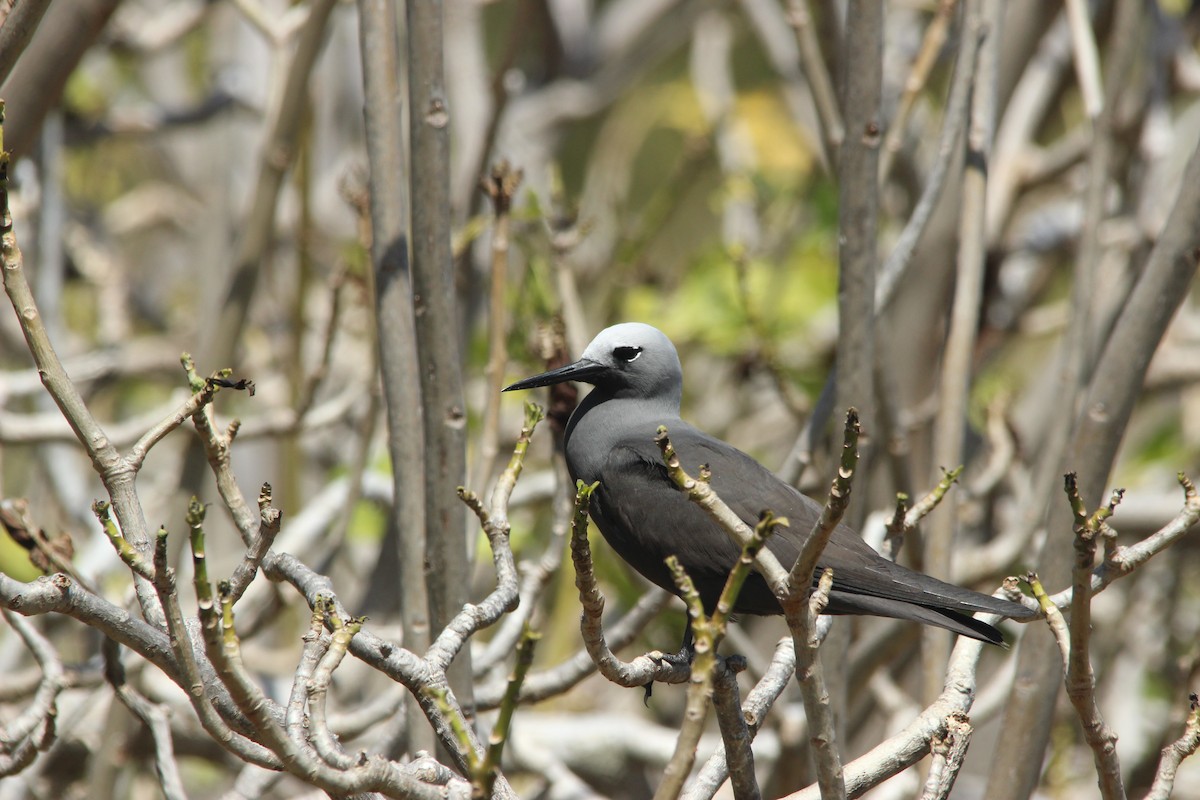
pixel 638 385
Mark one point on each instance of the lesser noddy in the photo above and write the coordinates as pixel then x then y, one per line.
pixel 610 439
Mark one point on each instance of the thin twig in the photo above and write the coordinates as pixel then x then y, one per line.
pixel 475 616
pixel 800 578
pixel 553 681
pixel 802 605
pixel 315 645
pixel 491 763
pixel 642 671
pixel 326 744
pixel 128 553
pixel 1080 678
pixel 181 643
pixel 217 449
pixel 954 120
pixel 1054 617
pixel 699 686
pixel 833 130
pixel 154 716
pixel 1087 57
pixel 758 702
pixel 268 528
pixel 1121 561
pixel 1174 754
pixel 141 448
pixel 114 471
pixel 34 729
pixel 918 75
pixel 535 578
pixel 499 185
pixel 708 632
pixel 959 352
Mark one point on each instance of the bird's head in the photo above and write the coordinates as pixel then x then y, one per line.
pixel 629 360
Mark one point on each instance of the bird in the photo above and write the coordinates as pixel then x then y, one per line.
pixel 637 384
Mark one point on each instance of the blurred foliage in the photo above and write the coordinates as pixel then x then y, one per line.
pixel 14 560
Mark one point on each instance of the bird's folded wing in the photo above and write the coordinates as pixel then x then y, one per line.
pixel 749 488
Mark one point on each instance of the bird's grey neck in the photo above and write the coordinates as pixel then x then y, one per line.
pixel 602 421
pixel 626 403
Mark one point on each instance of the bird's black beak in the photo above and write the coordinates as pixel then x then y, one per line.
pixel 582 370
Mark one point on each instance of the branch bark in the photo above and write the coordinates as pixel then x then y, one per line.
pixel 402 553
pixel 438 353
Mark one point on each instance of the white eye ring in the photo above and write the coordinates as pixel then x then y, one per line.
pixel 623 354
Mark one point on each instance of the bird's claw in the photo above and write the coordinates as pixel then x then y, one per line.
pixel 683 658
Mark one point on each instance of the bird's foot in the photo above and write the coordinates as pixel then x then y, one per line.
pixel 684 658
pixel 678 660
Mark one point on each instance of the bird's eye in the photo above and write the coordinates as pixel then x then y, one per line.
pixel 627 354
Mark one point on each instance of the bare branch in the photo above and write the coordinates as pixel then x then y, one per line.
pixel 832 127
pixel 1121 561
pixel 268 528
pixel 1081 680
pixel 326 744
pixel 437 332
pixel 735 733
pixel 1174 754
pixel 499 185
pixel 1087 58
pixel 473 618
pixel 708 632
pixel 116 473
pixel 553 681
pixel 500 731
pixel 32 730
pixel 948 753
pixel 643 670
pixel 958 354
pixel 154 716
pixel 758 702
pixel 918 75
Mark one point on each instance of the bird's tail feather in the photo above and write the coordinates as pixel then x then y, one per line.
pixel 954 621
